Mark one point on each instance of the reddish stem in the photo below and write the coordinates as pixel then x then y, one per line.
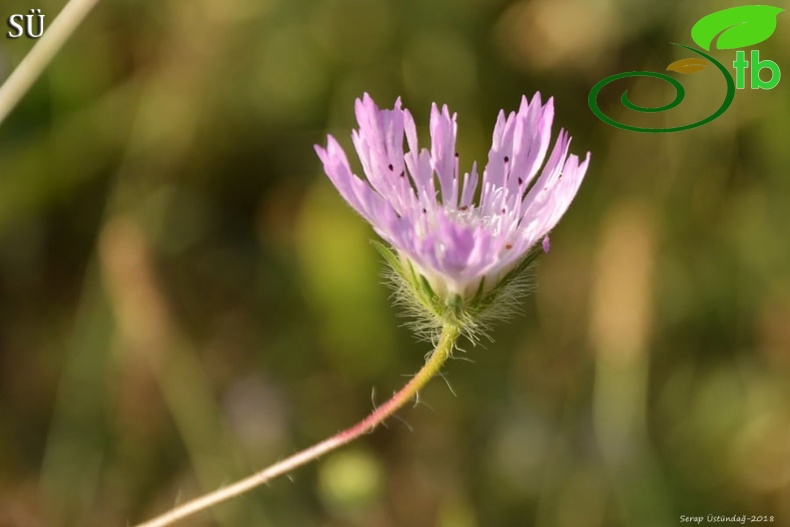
pixel 432 366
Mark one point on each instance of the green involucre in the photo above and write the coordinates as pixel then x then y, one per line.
pixel 473 315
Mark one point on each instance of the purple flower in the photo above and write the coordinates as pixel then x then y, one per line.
pixel 419 203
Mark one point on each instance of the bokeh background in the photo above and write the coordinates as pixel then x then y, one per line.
pixel 184 298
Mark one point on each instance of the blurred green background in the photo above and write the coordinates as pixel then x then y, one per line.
pixel 184 298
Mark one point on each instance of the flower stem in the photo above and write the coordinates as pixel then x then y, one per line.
pixel 40 55
pixel 432 366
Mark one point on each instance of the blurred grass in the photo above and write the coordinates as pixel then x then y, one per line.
pixel 184 298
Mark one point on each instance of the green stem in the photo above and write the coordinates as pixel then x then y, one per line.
pixel 432 366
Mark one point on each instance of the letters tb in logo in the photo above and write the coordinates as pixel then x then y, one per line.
pixel 741 64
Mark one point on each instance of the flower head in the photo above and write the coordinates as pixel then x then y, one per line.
pixel 459 241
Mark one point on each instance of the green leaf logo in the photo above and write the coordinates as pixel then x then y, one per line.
pixel 739 27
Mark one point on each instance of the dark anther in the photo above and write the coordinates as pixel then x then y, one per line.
pixel 403 174
pixel 507 159
pixel 390 167
pixel 508 246
pixel 463 208
pixel 424 211
pixel 520 181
